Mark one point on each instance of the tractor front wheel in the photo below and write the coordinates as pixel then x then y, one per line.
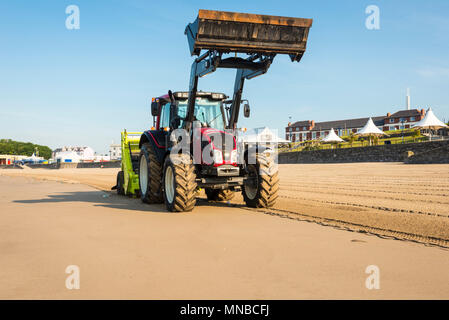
pixel 260 190
pixel 179 181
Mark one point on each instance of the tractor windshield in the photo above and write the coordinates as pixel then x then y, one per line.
pixel 209 112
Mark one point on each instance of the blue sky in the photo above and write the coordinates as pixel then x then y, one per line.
pixel 82 87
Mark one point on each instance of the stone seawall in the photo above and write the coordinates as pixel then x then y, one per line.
pixel 66 165
pixel 424 152
pixel 10 166
pixel 436 155
pixel 109 164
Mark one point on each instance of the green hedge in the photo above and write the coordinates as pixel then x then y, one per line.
pixel 395 137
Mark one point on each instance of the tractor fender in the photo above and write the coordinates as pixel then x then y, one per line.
pixel 158 140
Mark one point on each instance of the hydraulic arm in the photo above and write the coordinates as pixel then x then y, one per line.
pixel 259 36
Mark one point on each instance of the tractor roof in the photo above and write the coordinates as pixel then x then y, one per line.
pixel 181 95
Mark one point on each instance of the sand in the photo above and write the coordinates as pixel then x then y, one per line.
pixel 50 219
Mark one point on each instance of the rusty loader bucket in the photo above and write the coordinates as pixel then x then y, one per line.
pixel 248 33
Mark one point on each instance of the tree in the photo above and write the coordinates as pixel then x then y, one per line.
pixel 415 134
pixel 8 146
pixel 352 138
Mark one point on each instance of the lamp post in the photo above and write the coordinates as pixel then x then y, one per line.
pixel 290 134
pixel 402 122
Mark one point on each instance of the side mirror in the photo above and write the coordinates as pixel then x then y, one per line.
pixel 154 108
pixel 171 96
pixel 246 110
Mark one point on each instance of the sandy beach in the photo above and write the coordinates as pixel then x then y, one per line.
pixel 303 248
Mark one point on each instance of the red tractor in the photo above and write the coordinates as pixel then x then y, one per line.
pixel 193 142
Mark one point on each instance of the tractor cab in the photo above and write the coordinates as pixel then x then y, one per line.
pixel 209 110
pixel 208 132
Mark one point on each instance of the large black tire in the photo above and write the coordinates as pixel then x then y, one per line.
pixel 262 190
pixel 150 175
pixel 179 181
pixel 120 183
pixel 219 194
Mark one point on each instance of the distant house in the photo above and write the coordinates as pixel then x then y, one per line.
pixel 310 130
pixel 403 119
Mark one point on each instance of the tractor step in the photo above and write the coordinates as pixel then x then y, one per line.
pixel 220 182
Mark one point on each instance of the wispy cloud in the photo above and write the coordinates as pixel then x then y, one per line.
pixel 433 72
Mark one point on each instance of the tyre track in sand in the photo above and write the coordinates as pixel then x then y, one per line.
pixel 368 206
pixel 354 227
pixel 318 190
pixel 384 190
pixel 385 233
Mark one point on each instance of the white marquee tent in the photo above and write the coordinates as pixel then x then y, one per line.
pixel 261 135
pixel 369 130
pixel 431 122
pixel 32 159
pixel 332 137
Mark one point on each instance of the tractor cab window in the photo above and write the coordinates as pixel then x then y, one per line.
pixel 165 116
pixel 208 112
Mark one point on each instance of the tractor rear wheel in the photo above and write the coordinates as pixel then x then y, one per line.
pixel 120 183
pixel 261 189
pixel 150 175
pixel 219 194
pixel 179 181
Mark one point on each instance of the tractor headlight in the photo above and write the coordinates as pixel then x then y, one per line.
pixel 218 156
pixel 217 96
pixel 234 157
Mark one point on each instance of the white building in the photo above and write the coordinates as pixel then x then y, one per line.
pixel 101 158
pixel 67 156
pixel 115 151
pixel 73 154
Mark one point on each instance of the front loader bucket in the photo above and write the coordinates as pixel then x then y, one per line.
pixel 248 33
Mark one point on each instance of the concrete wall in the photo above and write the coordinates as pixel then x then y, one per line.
pixel 426 152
